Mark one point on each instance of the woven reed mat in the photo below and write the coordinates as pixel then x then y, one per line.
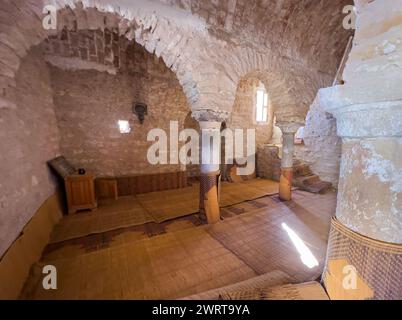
pixel 169 266
pixel 269 279
pixel 315 210
pixel 260 239
pixel 378 265
pixel 233 193
pixel 111 214
pixel 171 204
pixel 304 291
pixel 179 264
pixel 265 185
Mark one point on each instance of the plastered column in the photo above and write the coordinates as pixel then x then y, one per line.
pixel 370 182
pixel 368 110
pixel 210 160
pixel 366 234
pixel 289 130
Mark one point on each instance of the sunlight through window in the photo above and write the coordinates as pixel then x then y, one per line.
pixel 124 126
pixel 261 106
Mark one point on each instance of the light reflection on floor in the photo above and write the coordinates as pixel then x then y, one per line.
pixel 306 255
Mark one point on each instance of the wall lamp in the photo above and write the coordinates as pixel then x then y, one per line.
pixel 141 110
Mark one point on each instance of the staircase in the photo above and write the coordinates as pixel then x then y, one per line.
pixel 306 180
pixel 269 167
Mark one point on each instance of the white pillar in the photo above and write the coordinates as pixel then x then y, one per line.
pixel 210 160
pixel 210 146
pixel 289 130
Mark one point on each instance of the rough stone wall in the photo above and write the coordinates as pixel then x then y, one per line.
pixel 100 46
pixel 321 149
pixel 322 146
pixel 28 138
pixel 296 28
pixel 186 44
pixel 89 104
pixel 268 162
pixel 243 113
pixel 243 117
pixel 294 44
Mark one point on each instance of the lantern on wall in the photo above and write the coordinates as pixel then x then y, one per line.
pixel 141 110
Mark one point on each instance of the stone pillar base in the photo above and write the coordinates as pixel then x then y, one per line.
pixel 285 184
pixel 209 194
pixel 359 268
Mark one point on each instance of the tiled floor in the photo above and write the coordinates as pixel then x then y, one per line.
pixel 182 257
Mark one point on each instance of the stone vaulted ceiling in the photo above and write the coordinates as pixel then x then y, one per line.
pixel 293 46
pixel 308 30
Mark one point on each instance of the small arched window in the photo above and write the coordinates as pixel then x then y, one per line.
pixel 261 106
pixel 299 136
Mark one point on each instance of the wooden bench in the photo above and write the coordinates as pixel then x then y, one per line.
pixel 112 187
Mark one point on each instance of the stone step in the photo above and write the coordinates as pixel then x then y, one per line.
pixel 317 187
pixel 306 180
pixel 309 182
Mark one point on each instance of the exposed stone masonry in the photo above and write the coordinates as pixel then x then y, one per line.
pixel 243 113
pixel 187 42
pixel 202 42
pixel 322 146
pixel 90 103
pixel 29 137
pixel 104 47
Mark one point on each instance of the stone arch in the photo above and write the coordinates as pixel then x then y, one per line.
pixel 170 37
pixel 292 86
pixel 243 113
pixel 207 68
